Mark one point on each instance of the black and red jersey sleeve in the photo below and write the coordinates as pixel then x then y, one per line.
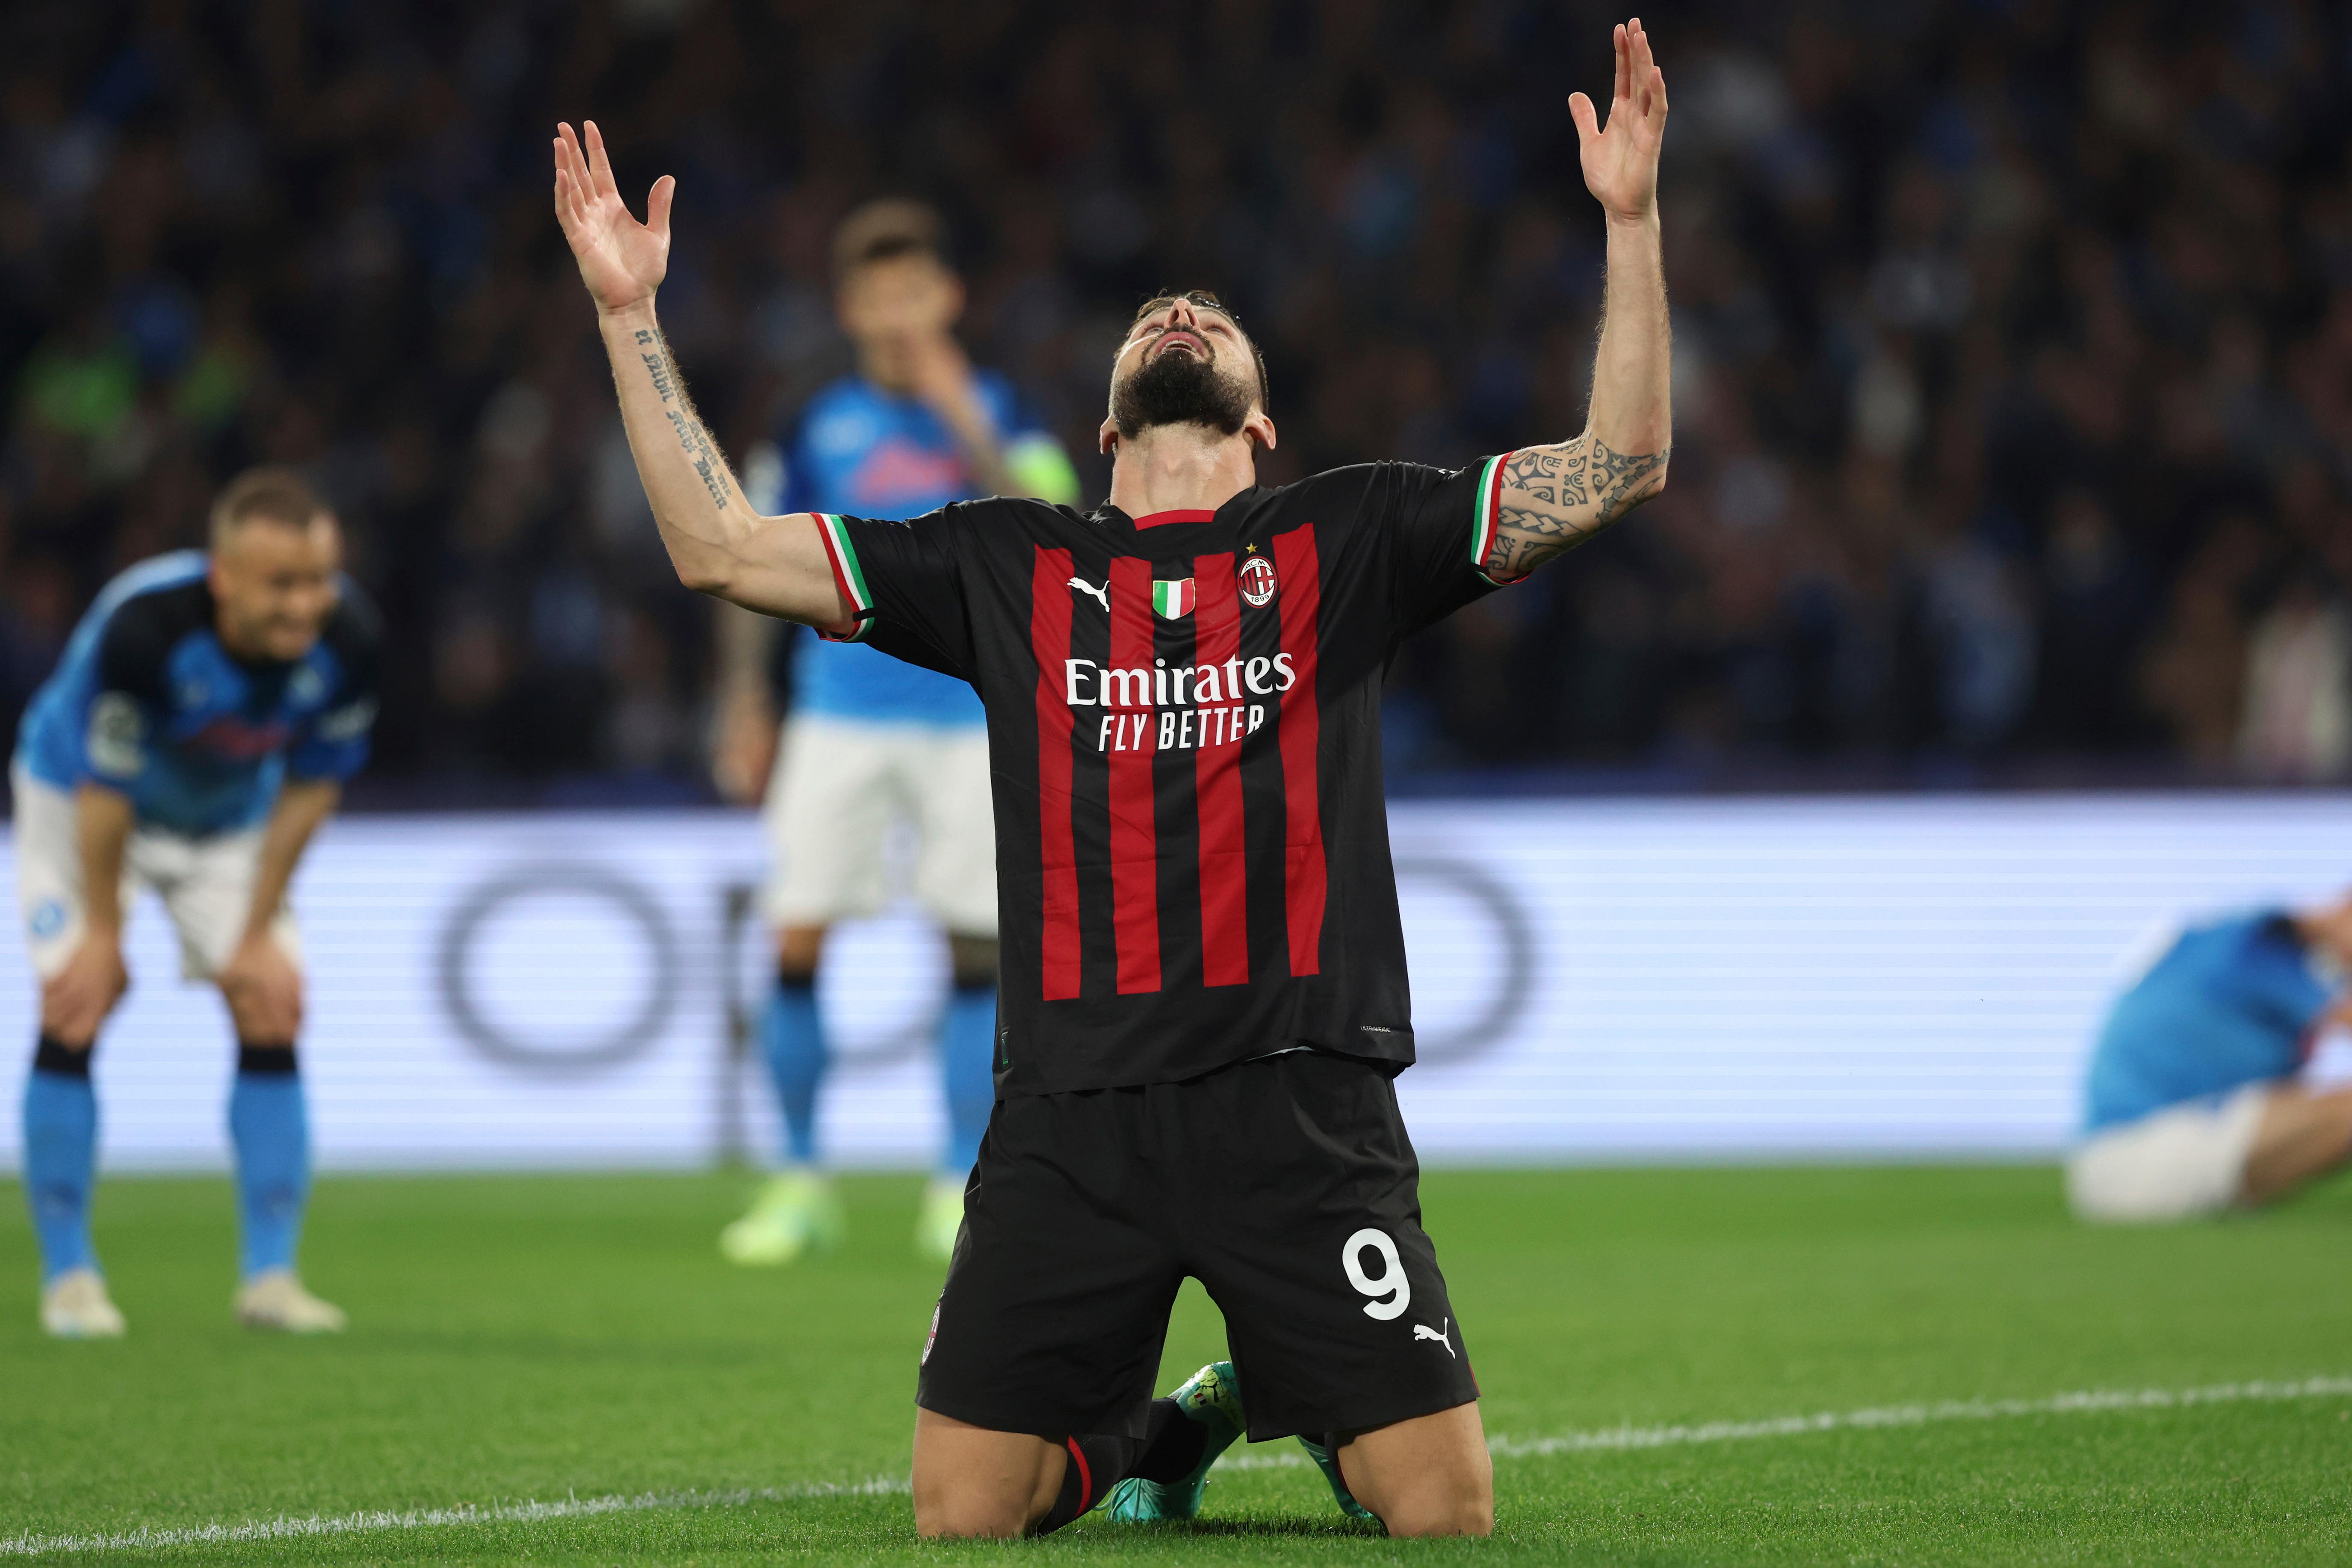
pixel 1438 525
pixel 905 585
pixel 136 646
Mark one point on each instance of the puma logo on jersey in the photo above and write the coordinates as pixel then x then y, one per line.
pixel 1100 596
pixel 1443 1336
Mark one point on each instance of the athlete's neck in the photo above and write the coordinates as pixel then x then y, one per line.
pixel 882 362
pixel 1181 468
pixel 249 652
pixel 233 639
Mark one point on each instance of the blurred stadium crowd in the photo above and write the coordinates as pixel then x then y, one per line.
pixel 2013 359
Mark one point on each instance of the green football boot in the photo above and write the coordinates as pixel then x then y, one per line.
pixel 939 1220
pixel 1330 1468
pixel 796 1213
pixel 1211 1396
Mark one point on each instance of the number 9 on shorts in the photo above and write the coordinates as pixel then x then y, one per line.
pixel 1390 1291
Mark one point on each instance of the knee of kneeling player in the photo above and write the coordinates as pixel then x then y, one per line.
pixel 946 1508
pixel 1458 1512
pixel 1447 1494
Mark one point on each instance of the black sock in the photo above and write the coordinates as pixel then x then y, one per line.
pixel 52 1055
pixel 1098 1463
pixel 1170 1446
pixel 1173 1443
pixel 272 1061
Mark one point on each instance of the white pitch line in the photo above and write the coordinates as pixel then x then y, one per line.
pixel 428 1517
pixel 1618 1438
pixel 1608 1439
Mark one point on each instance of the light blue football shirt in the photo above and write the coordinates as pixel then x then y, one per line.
pixel 147 701
pixel 2231 1001
pixel 866 452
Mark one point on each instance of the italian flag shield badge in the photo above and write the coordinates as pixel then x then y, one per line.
pixel 1172 601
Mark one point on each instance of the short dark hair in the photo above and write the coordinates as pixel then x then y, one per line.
pixel 885 229
pixel 1207 300
pixel 267 494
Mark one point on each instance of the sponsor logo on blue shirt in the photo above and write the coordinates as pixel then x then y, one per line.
pixel 863 452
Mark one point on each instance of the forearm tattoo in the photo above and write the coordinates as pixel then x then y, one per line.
pixel 654 350
pixel 1553 499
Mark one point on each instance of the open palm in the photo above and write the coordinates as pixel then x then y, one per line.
pixel 1621 162
pixel 623 261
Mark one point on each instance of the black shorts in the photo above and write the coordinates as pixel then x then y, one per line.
pixel 1286 1186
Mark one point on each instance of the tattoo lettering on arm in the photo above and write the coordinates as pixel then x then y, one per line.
pixel 654 350
pixel 1555 498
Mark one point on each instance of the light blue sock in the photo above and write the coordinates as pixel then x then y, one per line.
pixel 60 1163
pixel 968 1068
pixel 271 1132
pixel 791 1038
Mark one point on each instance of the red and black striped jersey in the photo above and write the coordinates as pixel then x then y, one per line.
pixel 1183 724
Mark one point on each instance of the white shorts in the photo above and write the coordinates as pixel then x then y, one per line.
pixel 2176 1163
pixel 838 787
pixel 206 884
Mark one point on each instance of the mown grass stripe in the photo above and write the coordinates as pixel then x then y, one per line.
pixel 1607 1439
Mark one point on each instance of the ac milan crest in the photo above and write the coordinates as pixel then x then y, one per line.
pixel 1257 582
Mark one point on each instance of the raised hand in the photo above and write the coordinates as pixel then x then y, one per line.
pixel 623 261
pixel 1620 160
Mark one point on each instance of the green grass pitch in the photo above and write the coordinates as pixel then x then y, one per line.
pixel 560 1339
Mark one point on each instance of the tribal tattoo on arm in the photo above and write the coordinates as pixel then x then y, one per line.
pixel 1553 499
pixel 653 349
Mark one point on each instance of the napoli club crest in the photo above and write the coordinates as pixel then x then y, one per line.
pixel 1257 582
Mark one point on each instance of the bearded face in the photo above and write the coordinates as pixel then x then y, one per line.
pixel 1186 376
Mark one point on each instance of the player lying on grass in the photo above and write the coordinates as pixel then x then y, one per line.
pixel 873 741
pixel 1202 998
pixel 194 735
pixel 2193 1105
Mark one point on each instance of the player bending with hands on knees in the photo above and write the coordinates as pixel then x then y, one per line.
pixel 2193 1105
pixel 870 737
pixel 1202 999
pixel 196 732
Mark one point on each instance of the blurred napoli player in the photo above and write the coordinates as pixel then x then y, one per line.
pixel 870 739
pixel 195 733
pixel 2193 1103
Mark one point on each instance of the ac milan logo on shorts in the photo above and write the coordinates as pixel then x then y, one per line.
pixel 1257 582
pixel 934 1337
